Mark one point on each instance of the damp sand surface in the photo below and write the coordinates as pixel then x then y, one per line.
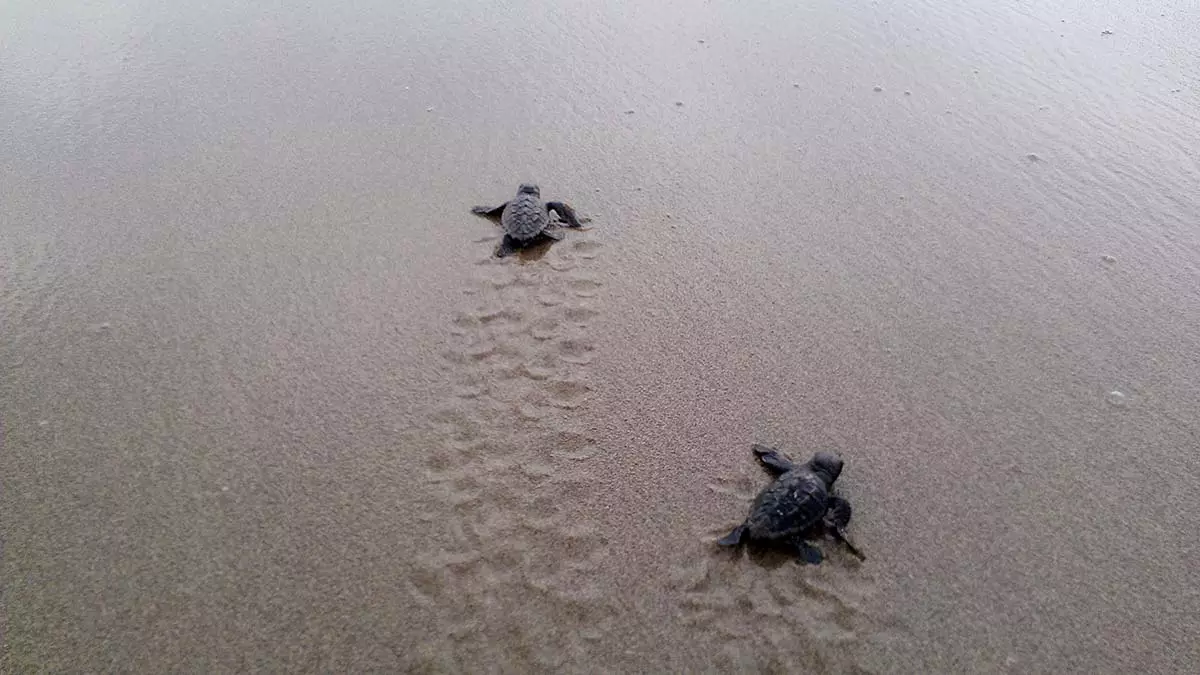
pixel 269 404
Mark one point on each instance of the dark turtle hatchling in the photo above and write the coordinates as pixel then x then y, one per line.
pixel 526 219
pixel 797 505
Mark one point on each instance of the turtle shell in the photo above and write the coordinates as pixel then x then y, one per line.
pixel 525 217
pixel 795 502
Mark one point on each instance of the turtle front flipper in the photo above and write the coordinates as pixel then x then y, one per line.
pixel 733 538
pixel 565 213
pixel 837 512
pixel 493 212
pixel 772 459
pixel 840 534
pixel 506 248
pixel 837 517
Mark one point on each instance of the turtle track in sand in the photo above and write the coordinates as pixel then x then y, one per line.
pixel 511 582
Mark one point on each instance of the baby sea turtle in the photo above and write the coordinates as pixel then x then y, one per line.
pixel 526 219
pixel 798 505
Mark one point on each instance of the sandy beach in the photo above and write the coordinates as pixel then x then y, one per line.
pixel 269 404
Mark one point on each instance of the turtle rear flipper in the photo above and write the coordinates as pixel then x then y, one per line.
pixel 772 459
pixel 506 248
pixel 733 538
pixel 565 213
pixel 553 232
pixel 493 212
pixel 807 553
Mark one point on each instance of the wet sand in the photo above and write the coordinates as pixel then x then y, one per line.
pixel 269 404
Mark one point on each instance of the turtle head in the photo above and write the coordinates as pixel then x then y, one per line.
pixel 529 189
pixel 826 465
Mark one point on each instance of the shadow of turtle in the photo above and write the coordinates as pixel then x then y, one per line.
pixel 772 556
pixel 535 250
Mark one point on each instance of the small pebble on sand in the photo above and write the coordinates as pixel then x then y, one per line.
pixel 878 88
pixel 1108 259
pixel 1116 398
pixel 1106 32
pixel 678 104
pixel 629 112
pixel 1033 157
pixel 907 92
